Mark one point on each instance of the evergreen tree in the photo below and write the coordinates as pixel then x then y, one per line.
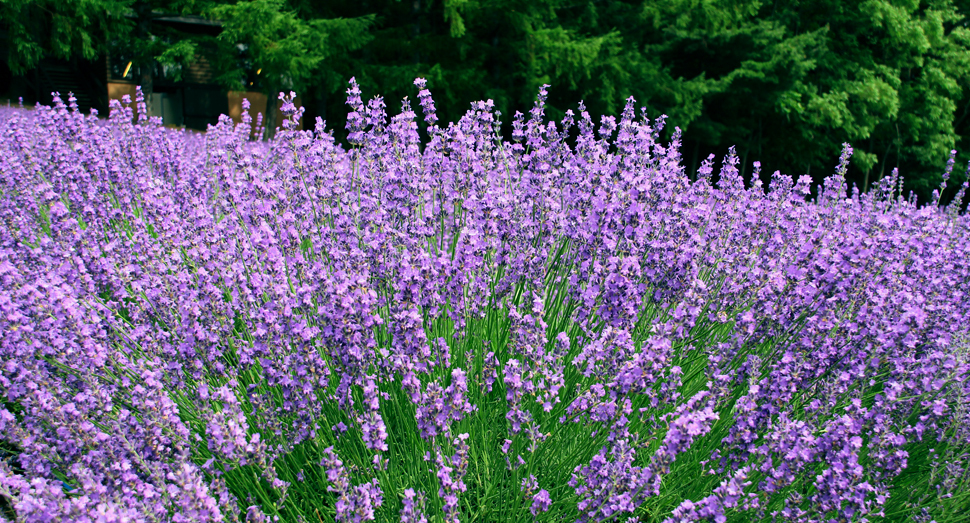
pixel 785 82
pixel 36 29
pixel 286 51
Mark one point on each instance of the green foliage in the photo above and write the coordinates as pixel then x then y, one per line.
pixel 287 49
pixel 887 79
pixel 785 82
pixel 40 28
pixel 177 54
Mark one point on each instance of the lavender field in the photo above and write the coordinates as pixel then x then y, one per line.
pixel 567 327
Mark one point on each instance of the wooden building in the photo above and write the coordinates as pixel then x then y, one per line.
pixel 194 101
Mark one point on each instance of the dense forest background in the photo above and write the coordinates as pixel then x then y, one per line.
pixel 785 82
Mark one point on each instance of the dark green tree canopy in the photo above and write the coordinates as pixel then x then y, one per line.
pixel 52 28
pixel 785 82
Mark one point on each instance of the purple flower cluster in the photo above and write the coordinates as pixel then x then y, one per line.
pixel 354 503
pixel 413 511
pixel 568 325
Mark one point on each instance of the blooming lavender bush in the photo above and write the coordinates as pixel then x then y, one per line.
pixel 568 327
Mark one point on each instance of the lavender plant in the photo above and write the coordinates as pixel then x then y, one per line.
pixel 560 328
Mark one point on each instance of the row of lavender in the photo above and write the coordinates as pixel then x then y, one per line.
pixel 206 328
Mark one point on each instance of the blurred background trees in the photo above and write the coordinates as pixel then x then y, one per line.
pixel 785 82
